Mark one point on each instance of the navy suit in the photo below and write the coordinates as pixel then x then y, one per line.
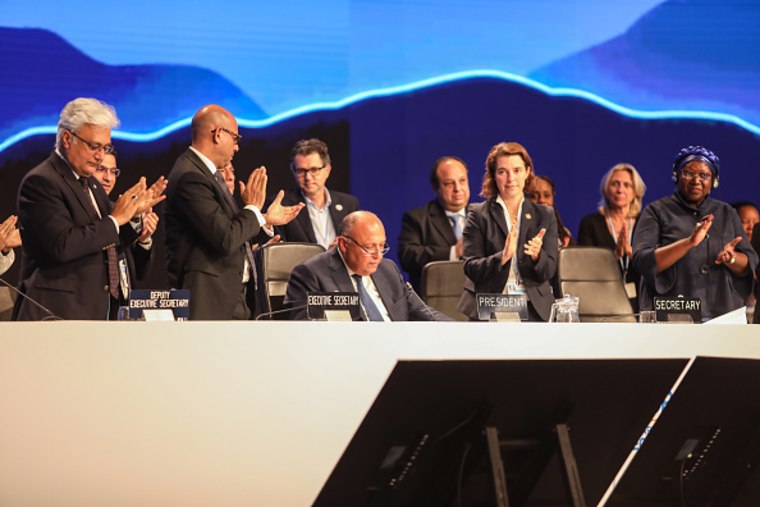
pixel 484 237
pixel 65 266
pixel 300 228
pixel 327 273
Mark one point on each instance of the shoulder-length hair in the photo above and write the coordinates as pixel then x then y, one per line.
pixel 639 189
pixel 504 149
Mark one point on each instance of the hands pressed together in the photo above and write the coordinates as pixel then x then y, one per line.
pixel 532 248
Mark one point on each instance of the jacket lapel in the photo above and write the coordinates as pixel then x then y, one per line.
pixel 339 274
pixel 497 214
pixel 440 222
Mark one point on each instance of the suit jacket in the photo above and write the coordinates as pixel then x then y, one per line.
pixel 65 267
pixel 301 229
pixel 206 238
pixel 426 236
pixel 484 237
pixel 327 273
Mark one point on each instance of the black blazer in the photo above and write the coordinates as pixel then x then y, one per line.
pixel 593 231
pixel 426 236
pixel 326 272
pixel 484 237
pixel 300 229
pixel 65 267
pixel 206 238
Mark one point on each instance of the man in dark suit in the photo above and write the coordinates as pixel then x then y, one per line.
pixel 140 254
pixel 357 265
pixel 434 232
pixel 208 238
pixel 325 209
pixel 74 237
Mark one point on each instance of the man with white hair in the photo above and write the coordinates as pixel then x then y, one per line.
pixel 73 236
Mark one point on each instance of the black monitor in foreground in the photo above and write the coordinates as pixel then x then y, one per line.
pixel 705 448
pixel 422 442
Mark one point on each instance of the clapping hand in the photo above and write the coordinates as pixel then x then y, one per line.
pixel 510 246
pixel 533 247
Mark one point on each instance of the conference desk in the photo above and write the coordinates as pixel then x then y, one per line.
pixel 240 414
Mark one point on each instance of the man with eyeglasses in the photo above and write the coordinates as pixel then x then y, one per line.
pixel 676 255
pixel 208 237
pixel 139 255
pixel 311 167
pixel 358 265
pixel 73 236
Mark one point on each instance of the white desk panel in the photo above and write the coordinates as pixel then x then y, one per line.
pixel 243 414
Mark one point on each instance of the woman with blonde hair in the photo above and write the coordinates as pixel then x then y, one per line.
pixel 622 191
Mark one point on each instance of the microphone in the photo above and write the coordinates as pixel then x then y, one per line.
pixel 411 290
pixel 50 315
pixel 283 310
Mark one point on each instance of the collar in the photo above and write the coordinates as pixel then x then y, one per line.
pixel 311 204
pixel 687 205
pixel 67 163
pixel 206 161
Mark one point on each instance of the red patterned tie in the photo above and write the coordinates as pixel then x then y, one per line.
pixel 113 261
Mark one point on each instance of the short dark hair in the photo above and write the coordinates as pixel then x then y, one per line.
pixel 307 147
pixel 434 171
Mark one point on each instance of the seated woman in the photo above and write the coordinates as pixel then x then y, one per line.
pixel 543 191
pixel 674 252
pixel 622 191
pixel 510 244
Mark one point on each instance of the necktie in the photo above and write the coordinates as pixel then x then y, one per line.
pixel 231 201
pixel 370 308
pixel 456 224
pixel 113 261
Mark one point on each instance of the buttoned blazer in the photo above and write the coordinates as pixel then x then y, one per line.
pixel 65 266
pixel 206 236
pixel 484 237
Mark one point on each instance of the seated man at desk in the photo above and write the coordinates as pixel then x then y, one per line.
pixel 357 265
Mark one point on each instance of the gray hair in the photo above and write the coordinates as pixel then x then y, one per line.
pixel 84 111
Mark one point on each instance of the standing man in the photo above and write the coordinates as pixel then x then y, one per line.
pixel 208 238
pixel 357 265
pixel 310 165
pixel 139 255
pixel 74 237
pixel 434 232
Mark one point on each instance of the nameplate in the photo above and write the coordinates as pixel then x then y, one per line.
pixel 145 302
pixel 678 309
pixel 491 305
pixel 321 305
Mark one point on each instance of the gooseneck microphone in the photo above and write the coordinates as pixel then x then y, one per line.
pixel 411 290
pixel 277 312
pixel 50 315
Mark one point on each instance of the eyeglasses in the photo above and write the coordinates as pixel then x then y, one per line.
pixel 366 251
pixel 313 171
pixel 691 175
pixel 115 171
pixel 235 137
pixel 95 147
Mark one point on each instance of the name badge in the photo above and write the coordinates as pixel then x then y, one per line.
pixel 497 306
pixel 333 306
pixel 678 309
